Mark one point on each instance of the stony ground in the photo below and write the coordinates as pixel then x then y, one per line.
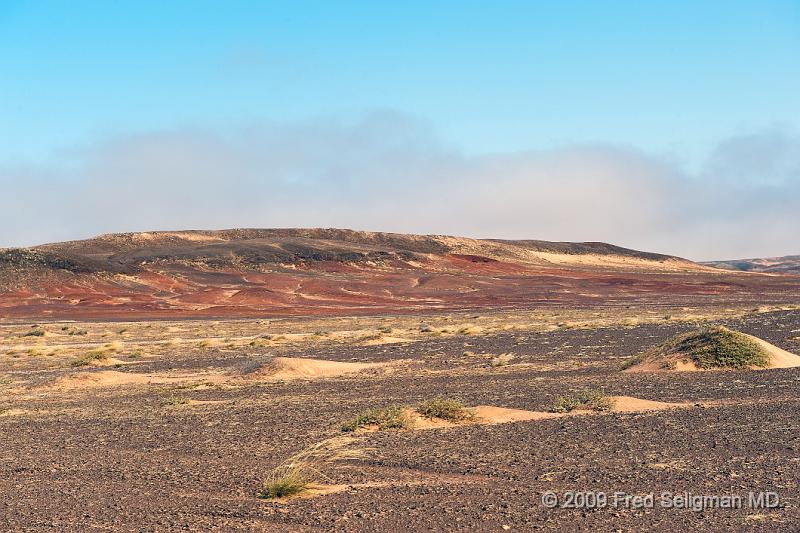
pixel 130 458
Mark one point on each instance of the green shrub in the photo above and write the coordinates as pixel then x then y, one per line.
pixel 390 417
pixel 585 399
pixel 452 410
pixel 90 357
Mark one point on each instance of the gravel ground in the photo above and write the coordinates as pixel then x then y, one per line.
pixel 118 459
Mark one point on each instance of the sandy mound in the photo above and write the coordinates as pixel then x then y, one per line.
pixel 778 357
pixel 103 378
pixel 109 361
pixel 288 368
pixel 385 340
pixel 629 404
pixel 113 378
pixel 488 414
pixel 715 348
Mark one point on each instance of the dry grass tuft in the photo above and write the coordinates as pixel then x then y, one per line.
pixel 296 474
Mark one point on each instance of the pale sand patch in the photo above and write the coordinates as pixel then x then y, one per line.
pixel 385 340
pixel 778 357
pixel 629 404
pixel 110 361
pixel 489 414
pixel 112 378
pixel 12 412
pixel 207 402
pixel 288 368
pixel 676 363
pixel 320 489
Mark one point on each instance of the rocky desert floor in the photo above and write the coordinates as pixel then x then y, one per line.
pixel 174 425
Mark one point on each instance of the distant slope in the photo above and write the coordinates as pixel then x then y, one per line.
pixel 127 252
pixel 261 272
pixel 789 264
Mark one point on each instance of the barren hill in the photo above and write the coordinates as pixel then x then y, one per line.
pixel 253 272
pixel 789 264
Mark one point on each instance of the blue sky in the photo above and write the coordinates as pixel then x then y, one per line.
pixel 673 80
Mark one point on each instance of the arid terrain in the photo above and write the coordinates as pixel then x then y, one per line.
pixel 789 264
pixel 169 381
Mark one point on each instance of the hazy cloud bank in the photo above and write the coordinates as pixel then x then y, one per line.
pixel 389 172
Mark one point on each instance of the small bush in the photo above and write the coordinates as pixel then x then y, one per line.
pixel 452 410
pixel 257 364
pixel 391 417
pixel 721 347
pixel 34 333
pixel 632 361
pixel 90 357
pixel 175 400
pixel 586 399
pixel 708 347
pixel 500 360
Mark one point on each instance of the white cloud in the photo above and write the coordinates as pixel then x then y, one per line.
pixel 390 172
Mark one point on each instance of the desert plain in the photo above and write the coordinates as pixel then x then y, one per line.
pixel 175 381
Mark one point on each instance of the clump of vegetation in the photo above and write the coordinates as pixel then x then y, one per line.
pixel 176 400
pixel 709 347
pixel 90 357
pixel 586 399
pixel 258 343
pixel 425 328
pixel 446 409
pixel 385 329
pixel 296 474
pixel 34 333
pixel 390 417
pixel 500 360
pixel 720 347
pixel 256 364
pixel 98 354
pixel 632 361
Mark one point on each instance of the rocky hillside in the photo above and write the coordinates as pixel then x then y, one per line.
pixel 257 272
